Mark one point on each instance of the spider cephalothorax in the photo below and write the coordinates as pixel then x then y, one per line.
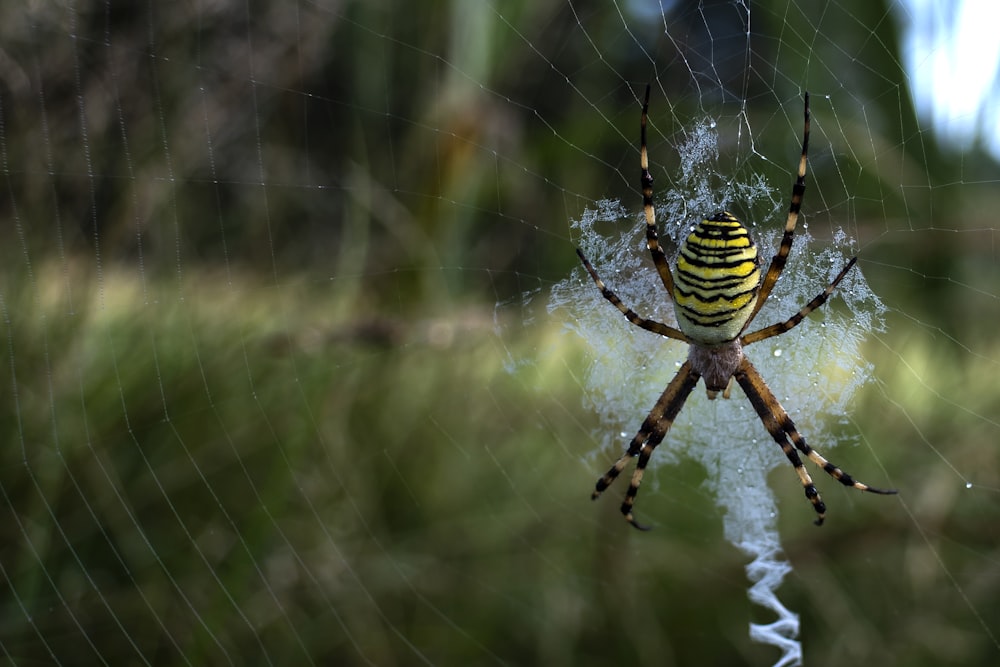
pixel 717 290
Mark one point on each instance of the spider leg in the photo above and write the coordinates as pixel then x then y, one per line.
pixel 654 428
pixel 646 182
pixel 793 321
pixel 780 426
pixel 798 189
pixel 630 315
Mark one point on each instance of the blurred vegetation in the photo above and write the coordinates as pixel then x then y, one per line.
pixel 257 406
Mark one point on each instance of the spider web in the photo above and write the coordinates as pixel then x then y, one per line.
pixel 630 369
pixel 299 365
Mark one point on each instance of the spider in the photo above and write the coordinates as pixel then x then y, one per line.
pixel 717 291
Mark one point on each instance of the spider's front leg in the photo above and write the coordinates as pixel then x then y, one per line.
pixel 782 429
pixel 654 428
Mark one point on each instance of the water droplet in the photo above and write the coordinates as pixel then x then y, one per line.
pixel 968 485
pixel 777 352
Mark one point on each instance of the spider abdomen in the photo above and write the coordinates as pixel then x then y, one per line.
pixel 716 281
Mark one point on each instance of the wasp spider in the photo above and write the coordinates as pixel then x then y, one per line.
pixel 717 291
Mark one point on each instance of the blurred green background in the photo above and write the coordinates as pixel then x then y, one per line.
pixel 271 393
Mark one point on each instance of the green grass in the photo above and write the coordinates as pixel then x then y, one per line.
pixel 237 473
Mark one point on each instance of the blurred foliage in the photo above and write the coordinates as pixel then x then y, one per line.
pixel 258 410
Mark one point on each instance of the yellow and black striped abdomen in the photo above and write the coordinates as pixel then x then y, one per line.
pixel 716 281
